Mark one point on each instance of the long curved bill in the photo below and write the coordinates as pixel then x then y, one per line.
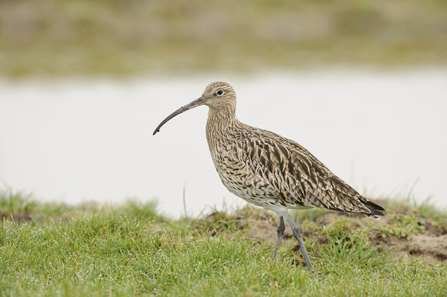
pixel 182 109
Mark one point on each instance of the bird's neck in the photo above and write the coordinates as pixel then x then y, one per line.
pixel 222 125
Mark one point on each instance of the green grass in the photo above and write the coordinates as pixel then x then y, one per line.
pixel 124 37
pixel 132 250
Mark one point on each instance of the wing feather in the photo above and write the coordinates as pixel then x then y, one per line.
pixel 299 177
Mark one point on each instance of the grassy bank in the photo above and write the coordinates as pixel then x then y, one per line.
pixel 125 37
pixel 132 250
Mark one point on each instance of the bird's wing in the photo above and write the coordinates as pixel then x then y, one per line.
pixel 293 170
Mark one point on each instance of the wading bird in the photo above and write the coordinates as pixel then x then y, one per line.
pixel 269 170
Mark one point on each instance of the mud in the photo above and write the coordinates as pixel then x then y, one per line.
pixel 28 217
pixel 430 245
pixel 18 217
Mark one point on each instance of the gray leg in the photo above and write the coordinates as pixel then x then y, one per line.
pixel 280 230
pixel 297 235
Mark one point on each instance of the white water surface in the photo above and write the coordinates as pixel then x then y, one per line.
pixel 76 140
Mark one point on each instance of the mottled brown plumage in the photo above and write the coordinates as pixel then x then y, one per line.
pixel 269 170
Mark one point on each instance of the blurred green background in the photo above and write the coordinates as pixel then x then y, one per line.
pixel 132 37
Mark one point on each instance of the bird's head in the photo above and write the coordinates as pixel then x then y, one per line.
pixel 218 95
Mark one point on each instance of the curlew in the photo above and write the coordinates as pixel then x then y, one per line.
pixel 269 170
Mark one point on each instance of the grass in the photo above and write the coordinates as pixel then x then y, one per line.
pixel 129 37
pixel 132 250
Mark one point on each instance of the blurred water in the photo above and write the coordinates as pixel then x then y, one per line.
pixel 75 140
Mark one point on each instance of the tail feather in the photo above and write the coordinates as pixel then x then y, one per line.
pixel 375 208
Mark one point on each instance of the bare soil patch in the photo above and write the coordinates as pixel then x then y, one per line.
pixel 430 244
pixel 18 217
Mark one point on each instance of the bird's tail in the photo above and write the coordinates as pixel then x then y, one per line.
pixel 374 208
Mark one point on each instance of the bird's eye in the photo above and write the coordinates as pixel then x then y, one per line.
pixel 220 92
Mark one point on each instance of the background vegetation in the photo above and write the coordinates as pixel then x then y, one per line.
pixel 122 37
